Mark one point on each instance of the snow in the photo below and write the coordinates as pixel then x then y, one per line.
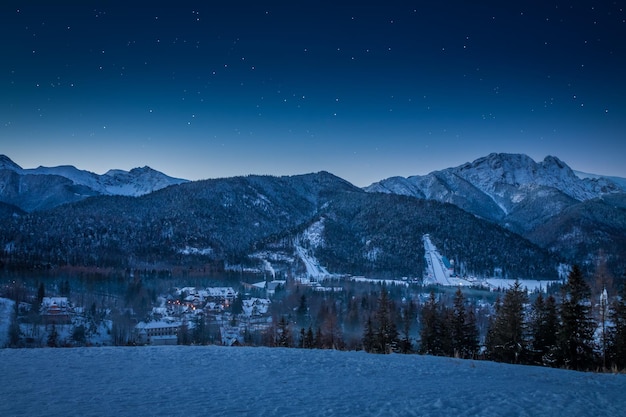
pixel 387 282
pixel 190 250
pixel 212 380
pixel 528 284
pixel 313 267
pixel 438 273
pixel 136 182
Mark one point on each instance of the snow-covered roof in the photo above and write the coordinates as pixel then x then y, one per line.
pixel 156 325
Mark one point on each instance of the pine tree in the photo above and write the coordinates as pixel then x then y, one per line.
pixel 386 333
pixel 283 334
pixel 309 340
pixel 435 333
pixel 302 342
pixel 575 337
pixel 544 325
pixel 302 312
pixel 506 338
pixel 463 330
pixel 472 335
pixel 617 331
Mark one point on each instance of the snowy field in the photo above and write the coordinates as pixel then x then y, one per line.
pixel 219 381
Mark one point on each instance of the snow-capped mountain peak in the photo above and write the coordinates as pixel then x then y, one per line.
pixel 506 188
pixel 137 181
pixel 31 188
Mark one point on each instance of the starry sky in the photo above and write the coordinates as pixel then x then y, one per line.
pixel 365 90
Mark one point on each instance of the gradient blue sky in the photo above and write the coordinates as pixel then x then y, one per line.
pixel 365 90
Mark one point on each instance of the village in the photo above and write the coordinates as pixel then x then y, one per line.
pixel 200 315
pixel 185 315
pixel 142 310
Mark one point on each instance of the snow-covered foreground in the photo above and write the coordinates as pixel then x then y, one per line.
pixel 189 381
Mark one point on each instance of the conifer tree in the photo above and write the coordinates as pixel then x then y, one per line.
pixel 283 333
pixel 617 331
pixel 302 312
pixel 544 325
pixel 472 335
pixel 434 333
pixel 506 338
pixel 309 339
pixel 302 341
pixel 576 341
pixel 368 335
pixel 386 332
pixel 463 331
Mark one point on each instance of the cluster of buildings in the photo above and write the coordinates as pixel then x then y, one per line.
pixel 187 307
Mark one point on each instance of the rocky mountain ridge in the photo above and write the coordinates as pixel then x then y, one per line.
pixel 501 211
pixel 46 187
pixel 545 202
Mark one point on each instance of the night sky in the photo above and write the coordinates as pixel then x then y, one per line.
pixel 366 90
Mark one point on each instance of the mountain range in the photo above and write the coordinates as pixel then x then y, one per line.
pixel 44 188
pixel 503 211
pixel 545 202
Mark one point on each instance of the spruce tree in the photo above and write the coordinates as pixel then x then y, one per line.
pixel 463 331
pixel 302 342
pixel 506 339
pixel 309 339
pixel 302 312
pixel 576 336
pixel 544 325
pixel 617 331
pixel 368 336
pixel 283 334
pixel 434 333
pixel 472 335
pixel 386 333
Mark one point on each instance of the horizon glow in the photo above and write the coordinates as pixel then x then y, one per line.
pixel 364 92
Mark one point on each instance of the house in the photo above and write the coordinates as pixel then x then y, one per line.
pixel 157 332
pixel 255 306
pixel 55 310
pixel 224 295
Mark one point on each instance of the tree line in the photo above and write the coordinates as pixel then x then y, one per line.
pixel 567 331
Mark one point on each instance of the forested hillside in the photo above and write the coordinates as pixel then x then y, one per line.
pixel 221 221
